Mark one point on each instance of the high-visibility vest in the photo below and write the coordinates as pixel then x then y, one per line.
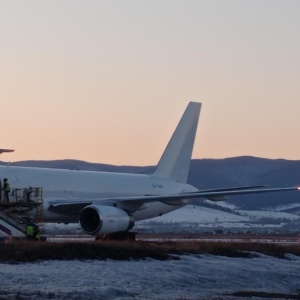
pixel 6 187
pixel 29 230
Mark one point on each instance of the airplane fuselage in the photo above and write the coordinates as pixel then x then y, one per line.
pixel 63 186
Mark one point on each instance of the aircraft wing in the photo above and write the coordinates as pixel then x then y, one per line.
pixel 132 204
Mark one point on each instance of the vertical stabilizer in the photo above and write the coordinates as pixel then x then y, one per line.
pixel 176 159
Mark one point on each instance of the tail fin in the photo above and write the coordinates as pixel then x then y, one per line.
pixel 176 159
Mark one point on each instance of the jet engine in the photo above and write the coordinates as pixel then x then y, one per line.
pixel 98 219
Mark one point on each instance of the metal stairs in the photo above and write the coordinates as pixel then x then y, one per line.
pixel 11 212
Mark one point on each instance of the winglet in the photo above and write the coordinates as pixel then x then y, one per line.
pixel 6 150
pixel 176 159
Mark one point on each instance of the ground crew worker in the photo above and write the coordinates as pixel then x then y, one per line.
pixel 32 231
pixel 29 231
pixel 6 189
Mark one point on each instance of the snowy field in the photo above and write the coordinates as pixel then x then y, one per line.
pixel 200 215
pixel 190 277
pixel 207 217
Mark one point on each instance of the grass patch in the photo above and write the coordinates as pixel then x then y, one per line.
pixel 28 251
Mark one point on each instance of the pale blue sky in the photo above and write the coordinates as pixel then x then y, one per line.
pixel 107 81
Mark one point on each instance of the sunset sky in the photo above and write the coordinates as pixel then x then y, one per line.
pixel 108 81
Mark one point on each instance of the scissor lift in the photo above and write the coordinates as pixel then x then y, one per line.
pixel 13 214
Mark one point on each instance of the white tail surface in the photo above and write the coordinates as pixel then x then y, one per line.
pixel 176 159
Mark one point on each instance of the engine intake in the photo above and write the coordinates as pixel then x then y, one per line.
pixel 97 219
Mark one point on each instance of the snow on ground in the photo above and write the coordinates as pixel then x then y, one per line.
pixel 191 277
pixel 223 204
pixel 208 217
pixel 269 214
pixel 286 207
pixel 197 214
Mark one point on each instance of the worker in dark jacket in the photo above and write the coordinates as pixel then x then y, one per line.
pixel 6 189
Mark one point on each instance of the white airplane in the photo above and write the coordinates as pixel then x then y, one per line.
pixel 105 202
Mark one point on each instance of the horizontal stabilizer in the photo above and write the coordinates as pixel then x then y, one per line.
pixel 6 150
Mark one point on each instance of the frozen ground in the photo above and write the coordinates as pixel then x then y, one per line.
pixel 191 277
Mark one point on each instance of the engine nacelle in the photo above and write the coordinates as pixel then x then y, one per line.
pixel 98 219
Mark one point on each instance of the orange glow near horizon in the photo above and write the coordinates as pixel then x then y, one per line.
pixel 108 82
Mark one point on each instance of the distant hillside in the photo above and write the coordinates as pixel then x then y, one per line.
pixel 236 171
pixel 72 164
pixel 213 173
